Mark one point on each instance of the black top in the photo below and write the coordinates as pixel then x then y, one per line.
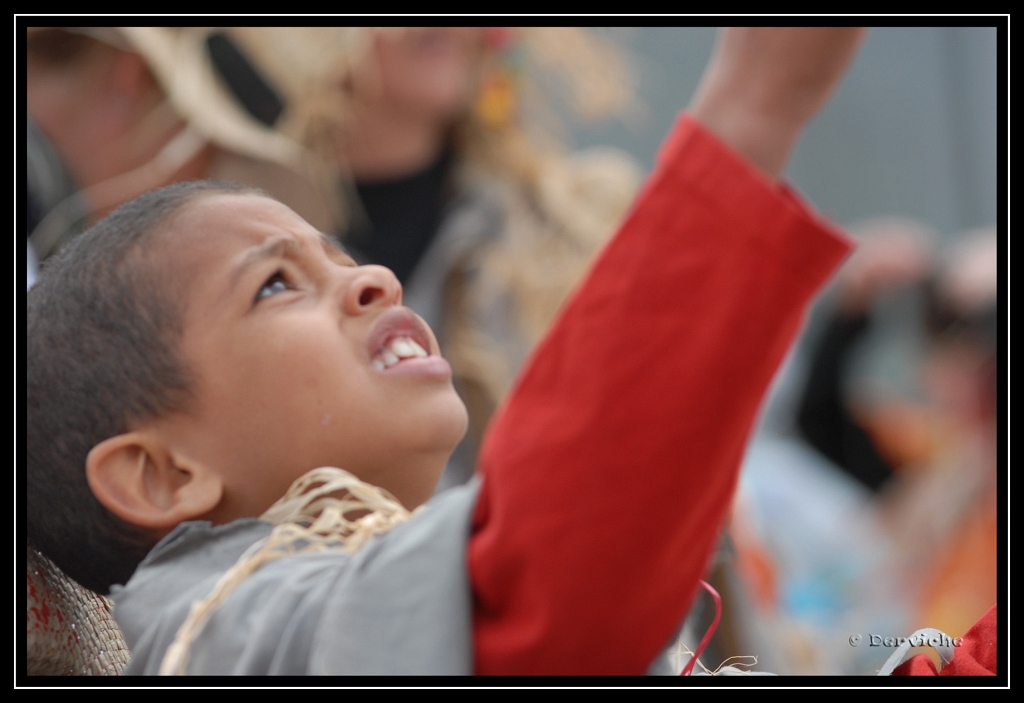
pixel 823 417
pixel 48 180
pixel 402 217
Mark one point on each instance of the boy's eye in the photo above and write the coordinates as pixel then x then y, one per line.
pixel 275 284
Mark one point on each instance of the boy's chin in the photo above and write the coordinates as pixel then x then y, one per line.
pixel 417 487
pixel 450 432
pixel 447 424
pixel 446 429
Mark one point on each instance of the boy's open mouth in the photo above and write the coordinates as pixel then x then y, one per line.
pixel 399 334
pixel 395 350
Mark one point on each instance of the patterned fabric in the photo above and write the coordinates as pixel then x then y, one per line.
pixel 70 630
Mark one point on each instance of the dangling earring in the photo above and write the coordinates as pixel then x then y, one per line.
pixel 496 104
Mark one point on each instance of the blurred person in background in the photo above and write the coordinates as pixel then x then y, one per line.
pixel 893 255
pixel 932 461
pixel 942 507
pixel 889 524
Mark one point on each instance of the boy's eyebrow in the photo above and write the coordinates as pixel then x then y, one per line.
pixel 283 247
pixel 275 247
pixel 333 247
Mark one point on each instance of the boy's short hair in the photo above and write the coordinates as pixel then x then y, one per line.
pixel 104 322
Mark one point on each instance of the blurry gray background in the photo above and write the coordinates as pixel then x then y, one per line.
pixel 911 130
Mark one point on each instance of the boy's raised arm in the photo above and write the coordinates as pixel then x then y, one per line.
pixel 763 84
pixel 608 472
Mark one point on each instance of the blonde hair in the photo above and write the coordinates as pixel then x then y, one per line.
pixel 559 207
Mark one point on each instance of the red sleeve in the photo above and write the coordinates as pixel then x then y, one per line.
pixel 608 471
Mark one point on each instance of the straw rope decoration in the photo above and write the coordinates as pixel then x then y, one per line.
pixel 308 518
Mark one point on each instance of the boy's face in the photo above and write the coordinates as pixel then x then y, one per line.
pixel 295 353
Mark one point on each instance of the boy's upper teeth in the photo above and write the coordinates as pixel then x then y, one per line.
pixel 397 349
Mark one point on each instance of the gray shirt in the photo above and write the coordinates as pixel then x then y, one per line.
pixel 399 605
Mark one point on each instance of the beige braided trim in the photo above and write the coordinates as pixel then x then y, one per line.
pixel 308 518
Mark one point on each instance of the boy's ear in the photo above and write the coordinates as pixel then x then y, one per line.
pixel 139 479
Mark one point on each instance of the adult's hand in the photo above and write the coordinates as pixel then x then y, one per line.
pixel 890 254
pixel 763 84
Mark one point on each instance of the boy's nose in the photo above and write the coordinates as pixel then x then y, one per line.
pixel 371 287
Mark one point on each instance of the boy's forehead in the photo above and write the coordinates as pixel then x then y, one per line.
pixel 226 222
pixel 217 239
pixel 245 216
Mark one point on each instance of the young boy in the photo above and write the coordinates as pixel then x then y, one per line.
pixel 204 347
